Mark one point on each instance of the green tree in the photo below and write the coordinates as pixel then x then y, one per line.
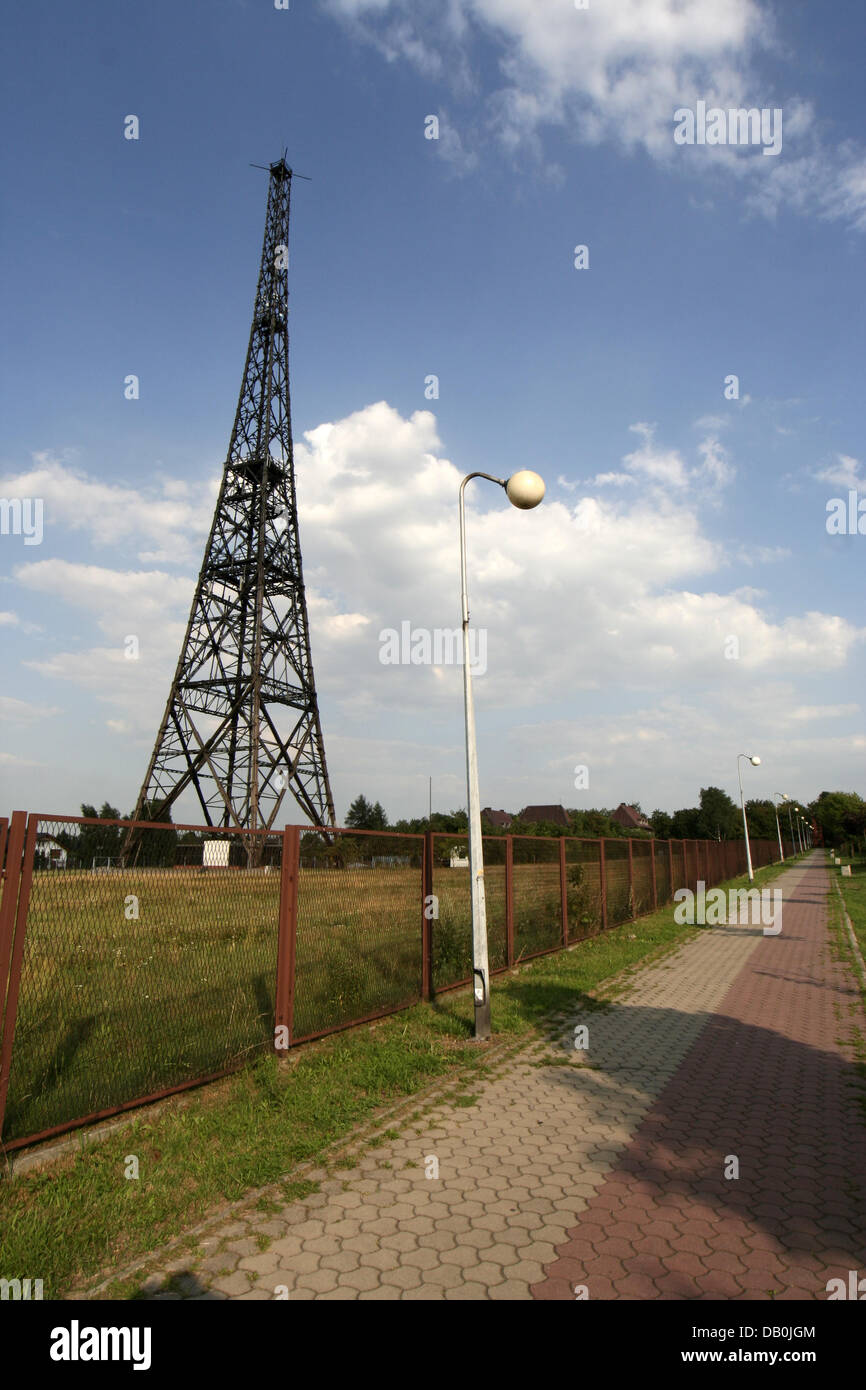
pixel 686 824
pixel 95 841
pixel 719 818
pixel 158 848
pixel 762 820
pixel 661 823
pixel 840 816
pixel 363 815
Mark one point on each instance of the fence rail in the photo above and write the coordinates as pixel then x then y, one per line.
pixel 137 960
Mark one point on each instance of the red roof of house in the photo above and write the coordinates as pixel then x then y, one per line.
pixel 557 814
pixel 631 819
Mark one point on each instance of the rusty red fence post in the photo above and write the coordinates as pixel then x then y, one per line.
pixel 10 900
pixel 284 1012
pixel 509 899
pixel 4 831
pixel 602 874
pixel 631 901
pixel 13 926
pixel 563 889
pixel 655 883
pixel 428 914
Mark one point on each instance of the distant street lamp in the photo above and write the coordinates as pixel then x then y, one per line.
pixel 755 761
pixel 783 796
pixel 525 490
pixel 799 831
pixel 791 824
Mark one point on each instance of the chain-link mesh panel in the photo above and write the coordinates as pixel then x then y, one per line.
pixel 358 944
pixel 583 888
pixel 494 896
pixel 452 888
pixel 452 927
pixel 677 861
pixel 619 908
pixel 537 895
pixel 663 877
pixel 693 867
pixel 138 979
pixel 642 876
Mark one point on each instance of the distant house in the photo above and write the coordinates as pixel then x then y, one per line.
pixel 629 818
pixel 458 860
pixel 499 820
pixel 557 814
pixel 50 852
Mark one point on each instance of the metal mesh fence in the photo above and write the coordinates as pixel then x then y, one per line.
pixel 452 889
pixel 537 896
pixel 663 877
pixel 137 979
pixel 494 890
pixel 147 958
pixel 677 859
pixel 642 877
pixel 583 888
pixel 358 949
pixel 616 878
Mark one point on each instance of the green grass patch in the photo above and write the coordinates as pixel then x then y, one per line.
pixel 854 894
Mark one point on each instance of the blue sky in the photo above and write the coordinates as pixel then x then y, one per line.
pixel 674 518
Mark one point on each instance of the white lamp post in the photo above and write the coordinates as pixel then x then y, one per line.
pixel 783 796
pixel 525 490
pixel 791 825
pixel 755 761
pixel 799 830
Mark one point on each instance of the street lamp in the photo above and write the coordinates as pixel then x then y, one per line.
pixel 525 490
pixel 755 761
pixel 783 796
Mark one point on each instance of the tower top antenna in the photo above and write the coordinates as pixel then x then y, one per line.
pixel 281 168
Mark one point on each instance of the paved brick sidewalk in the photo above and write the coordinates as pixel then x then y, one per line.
pixel 605 1169
pixel 769 1083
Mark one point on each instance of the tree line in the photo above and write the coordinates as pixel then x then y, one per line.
pixel 839 816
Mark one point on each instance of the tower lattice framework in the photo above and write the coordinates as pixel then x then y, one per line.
pixel 241 724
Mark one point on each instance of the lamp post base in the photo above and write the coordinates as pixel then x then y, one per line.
pixel 481 1031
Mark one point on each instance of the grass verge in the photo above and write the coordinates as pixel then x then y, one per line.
pixel 854 894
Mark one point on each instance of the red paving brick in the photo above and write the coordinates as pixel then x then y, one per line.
pixel 770 1080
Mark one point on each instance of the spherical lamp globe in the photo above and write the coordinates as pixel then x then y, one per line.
pixel 525 489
